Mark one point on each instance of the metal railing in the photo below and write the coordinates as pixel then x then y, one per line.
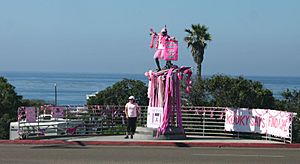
pixel 109 120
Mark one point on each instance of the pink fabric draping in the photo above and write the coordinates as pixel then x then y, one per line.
pixel 164 91
pixel 30 113
pixel 71 130
pixel 165 121
pixel 21 113
pixel 57 112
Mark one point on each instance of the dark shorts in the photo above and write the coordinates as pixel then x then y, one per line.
pixel 131 125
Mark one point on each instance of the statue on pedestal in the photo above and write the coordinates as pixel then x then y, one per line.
pixel 164 110
pixel 166 47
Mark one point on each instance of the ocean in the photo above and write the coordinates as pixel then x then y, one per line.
pixel 72 88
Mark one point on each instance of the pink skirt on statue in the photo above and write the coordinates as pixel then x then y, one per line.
pixel 159 54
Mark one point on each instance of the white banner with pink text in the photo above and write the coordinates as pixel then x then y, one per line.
pixel 263 121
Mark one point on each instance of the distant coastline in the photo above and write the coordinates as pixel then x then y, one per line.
pixel 135 74
pixel 73 87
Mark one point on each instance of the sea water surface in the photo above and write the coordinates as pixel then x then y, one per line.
pixel 72 88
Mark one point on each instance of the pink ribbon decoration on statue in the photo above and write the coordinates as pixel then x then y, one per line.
pixel 178 106
pixel 167 106
pixel 152 40
pixel 188 80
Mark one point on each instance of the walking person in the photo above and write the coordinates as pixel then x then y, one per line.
pixel 131 111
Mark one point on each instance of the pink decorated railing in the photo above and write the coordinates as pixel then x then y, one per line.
pixel 99 120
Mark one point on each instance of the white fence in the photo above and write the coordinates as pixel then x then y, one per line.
pixel 211 121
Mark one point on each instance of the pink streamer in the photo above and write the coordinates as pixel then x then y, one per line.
pixel 153 36
pixel 165 121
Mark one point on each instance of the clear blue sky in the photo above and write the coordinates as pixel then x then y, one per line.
pixel 250 37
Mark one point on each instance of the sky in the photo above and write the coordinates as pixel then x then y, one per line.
pixel 249 37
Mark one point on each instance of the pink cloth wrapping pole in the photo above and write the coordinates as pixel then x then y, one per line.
pixel 156 93
pixel 160 93
pixel 165 122
pixel 178 106
pixel 151 87
pixel 171 100
pixel 188 81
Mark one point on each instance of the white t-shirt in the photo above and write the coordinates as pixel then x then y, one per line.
pixel 131 109
pixel 160 45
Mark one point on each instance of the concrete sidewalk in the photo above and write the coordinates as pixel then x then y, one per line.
pixel 191 141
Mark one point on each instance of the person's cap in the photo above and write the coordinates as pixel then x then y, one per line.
pixel 131 98
pixel 164 30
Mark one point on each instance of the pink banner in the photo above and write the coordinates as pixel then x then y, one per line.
pixel 57 112
pixel 263 121
pixel 279 123
pixel 171 50
pixel 30 114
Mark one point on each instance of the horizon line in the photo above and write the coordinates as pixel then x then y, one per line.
pixel 123 73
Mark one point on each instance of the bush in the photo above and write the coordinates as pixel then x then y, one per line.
pixel 220 90
pixel 118 93
pixel 291 103
pixel 9 102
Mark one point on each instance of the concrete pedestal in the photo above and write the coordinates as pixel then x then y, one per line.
pixel 172 133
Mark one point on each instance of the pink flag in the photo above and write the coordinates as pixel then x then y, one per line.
pixel 21 113
pixel 57 112
pixel 30 114
pixel 171 50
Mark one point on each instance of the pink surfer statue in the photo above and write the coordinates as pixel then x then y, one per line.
pixel 166 47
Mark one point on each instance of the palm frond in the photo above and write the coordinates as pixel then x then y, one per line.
pixel 188 31
pixel 196 39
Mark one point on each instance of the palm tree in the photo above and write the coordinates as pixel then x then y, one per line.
pixel 196 39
